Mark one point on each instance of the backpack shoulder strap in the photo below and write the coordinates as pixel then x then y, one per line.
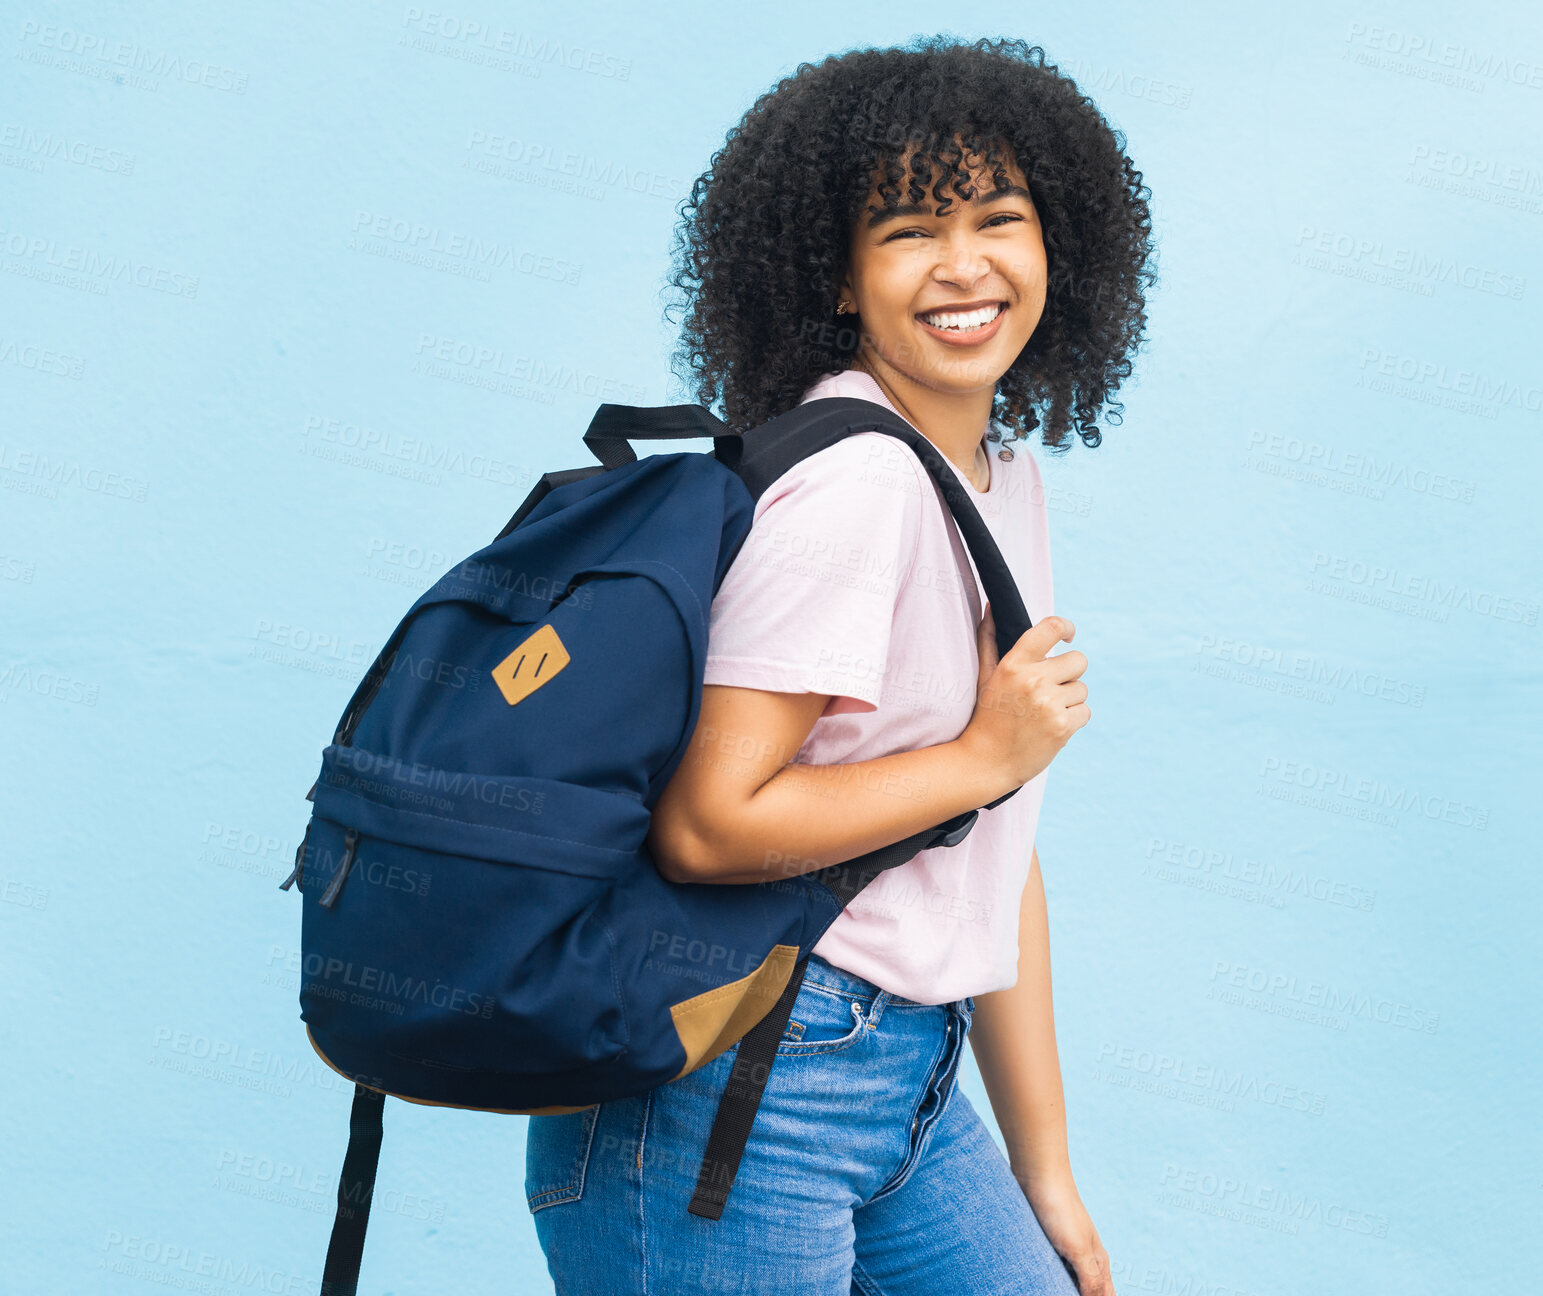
pixel 774 447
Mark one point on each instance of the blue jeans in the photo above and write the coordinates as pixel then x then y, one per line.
pixel 867 1171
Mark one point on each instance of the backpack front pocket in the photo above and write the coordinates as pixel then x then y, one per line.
pixel 462 956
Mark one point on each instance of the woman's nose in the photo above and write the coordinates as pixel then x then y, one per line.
pixel 961 261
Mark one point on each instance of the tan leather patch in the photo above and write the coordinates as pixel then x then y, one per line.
pixel 530 665
pixel 713 1020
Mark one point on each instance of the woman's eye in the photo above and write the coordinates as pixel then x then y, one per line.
pixel 1000 216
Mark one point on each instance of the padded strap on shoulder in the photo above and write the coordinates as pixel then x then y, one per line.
pixel 806 429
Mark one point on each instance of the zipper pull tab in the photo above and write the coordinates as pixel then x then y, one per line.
pixel 297 874
pixel 331 893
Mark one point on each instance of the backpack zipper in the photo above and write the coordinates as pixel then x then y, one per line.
pixel 297 874
pixel 330 895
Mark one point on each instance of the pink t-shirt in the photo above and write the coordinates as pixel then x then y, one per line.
pixel 852 582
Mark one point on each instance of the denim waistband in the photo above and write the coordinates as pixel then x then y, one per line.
pixel 822 972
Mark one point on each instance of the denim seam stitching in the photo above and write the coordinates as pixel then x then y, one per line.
pixel 796 1048
pixel 648 1103
pixel 572 1191
pixel 863 1282
pixel 832 991
pixel 909 1160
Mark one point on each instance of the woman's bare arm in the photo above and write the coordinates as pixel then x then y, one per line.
pixel 1013 1036
pixel 738 810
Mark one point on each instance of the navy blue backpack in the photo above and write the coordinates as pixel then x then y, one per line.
pixel 483 926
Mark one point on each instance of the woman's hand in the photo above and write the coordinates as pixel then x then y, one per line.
pixel 1027 704
pixel 1059 1209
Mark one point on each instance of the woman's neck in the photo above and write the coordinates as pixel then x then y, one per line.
pixel 955 422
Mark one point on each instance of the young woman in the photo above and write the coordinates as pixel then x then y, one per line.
pixel 952 231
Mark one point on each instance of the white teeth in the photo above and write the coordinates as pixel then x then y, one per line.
pixel 964 319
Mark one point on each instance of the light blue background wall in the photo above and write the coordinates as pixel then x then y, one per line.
pixel 1291 864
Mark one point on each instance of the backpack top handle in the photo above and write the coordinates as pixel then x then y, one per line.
pixel 614 425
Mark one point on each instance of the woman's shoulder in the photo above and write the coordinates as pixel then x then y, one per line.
pixel 865 466
pixel 863 459
pixel 866 459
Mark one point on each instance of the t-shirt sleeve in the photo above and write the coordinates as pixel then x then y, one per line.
pixel 808 603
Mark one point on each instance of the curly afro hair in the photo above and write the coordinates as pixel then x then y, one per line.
pixel 764 235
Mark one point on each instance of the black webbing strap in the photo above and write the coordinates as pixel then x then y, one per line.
pixel 740 1102
pixel 758 1049
pixel 356 1186
pixel 846 880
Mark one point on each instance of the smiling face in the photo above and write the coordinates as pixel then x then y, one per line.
pixel 948 301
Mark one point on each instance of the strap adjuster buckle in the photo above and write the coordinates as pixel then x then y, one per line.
pixel 958 834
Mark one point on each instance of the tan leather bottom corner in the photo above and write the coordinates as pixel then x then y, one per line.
pixel 429 1102
pixel 710 1022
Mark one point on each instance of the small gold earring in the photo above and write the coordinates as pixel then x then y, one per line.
pixel 842 307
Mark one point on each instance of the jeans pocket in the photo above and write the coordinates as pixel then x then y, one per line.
pixel 557 1156
pixel 822 1022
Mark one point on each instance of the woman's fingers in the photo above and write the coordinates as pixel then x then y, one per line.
pixel 1091 1269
